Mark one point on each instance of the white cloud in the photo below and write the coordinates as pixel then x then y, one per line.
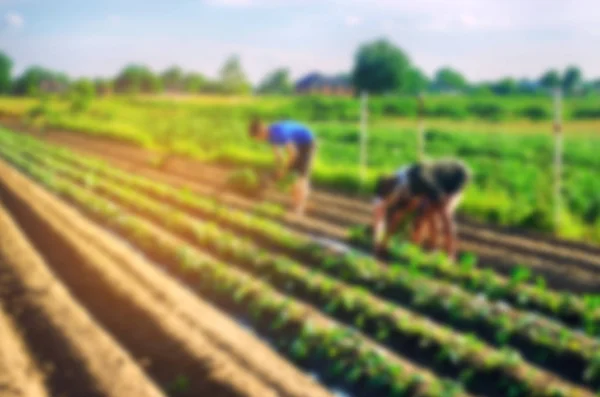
pixel 13 20
pixel 468 20
pixel 352 20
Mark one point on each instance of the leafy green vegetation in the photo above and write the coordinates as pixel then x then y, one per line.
pixel 511 160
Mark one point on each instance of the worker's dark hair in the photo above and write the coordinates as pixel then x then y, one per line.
pixel 255 124
pixel 462 176
pixel 384 185
pixel 422 183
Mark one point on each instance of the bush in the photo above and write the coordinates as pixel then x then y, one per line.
pixel 81 93
pixel 487 111
pixel 321 108
pixel 398 107
pixel 535 113
pixel 79 104
pixel 586 113
pixel 447 110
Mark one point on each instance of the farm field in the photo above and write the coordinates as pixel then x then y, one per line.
pixel 512 158
pixel 262 303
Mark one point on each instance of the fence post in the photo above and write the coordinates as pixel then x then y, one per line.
pixel 363 135
pixel 420 128
pixel 558 153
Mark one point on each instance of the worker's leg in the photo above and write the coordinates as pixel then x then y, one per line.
pixel 449 226
pixel 300 194
pixel 303 167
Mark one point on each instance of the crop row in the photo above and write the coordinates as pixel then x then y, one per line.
pixel 379 318
pixel 309 338
pixel 412 335
pixel 352 268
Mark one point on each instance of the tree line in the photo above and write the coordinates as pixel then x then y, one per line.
pixel 132 79
pixel 380 67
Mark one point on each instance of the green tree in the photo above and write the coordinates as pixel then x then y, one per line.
pixel 506 86
pixel 416 81
pixel 6 65
pixel 193 82
pixel 172 79
pixel 135 79
pixel 449 79
pixel 572 79
pixel 233 78
pixel 276 82
pixel 380 67
pixel 36 79
pixel 550 79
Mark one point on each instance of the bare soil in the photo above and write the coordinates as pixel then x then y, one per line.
pixel 167 344
pixel 77 356
pixel 19 374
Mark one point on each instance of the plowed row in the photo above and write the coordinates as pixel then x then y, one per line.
pixel 93 314
pixel 381 339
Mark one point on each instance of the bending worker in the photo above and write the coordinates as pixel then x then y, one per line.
pixel 431 190
pixel 299 143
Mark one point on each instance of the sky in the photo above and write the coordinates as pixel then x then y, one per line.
pixel 484 39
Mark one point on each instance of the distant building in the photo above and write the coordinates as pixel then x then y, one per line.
pixel 316 83
pixel 54 86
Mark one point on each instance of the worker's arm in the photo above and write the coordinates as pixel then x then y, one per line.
pixel 426 221
pixel 400 214
pixel 397 219
pixel 381 207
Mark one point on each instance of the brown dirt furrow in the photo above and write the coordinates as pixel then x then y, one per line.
pixel 19 374
pixel 160 238
pixel 259 359
pixel 168 347
pixel 496 248
pixel 79 357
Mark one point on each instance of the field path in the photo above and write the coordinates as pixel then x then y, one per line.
pixel 566 265
pixel 19 375
pixel 77 356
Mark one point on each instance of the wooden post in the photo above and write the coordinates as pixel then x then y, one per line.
pixel 421 128
pixel 363 135
pixel 558 153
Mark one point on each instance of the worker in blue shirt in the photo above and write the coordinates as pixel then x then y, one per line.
pixel 299 143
